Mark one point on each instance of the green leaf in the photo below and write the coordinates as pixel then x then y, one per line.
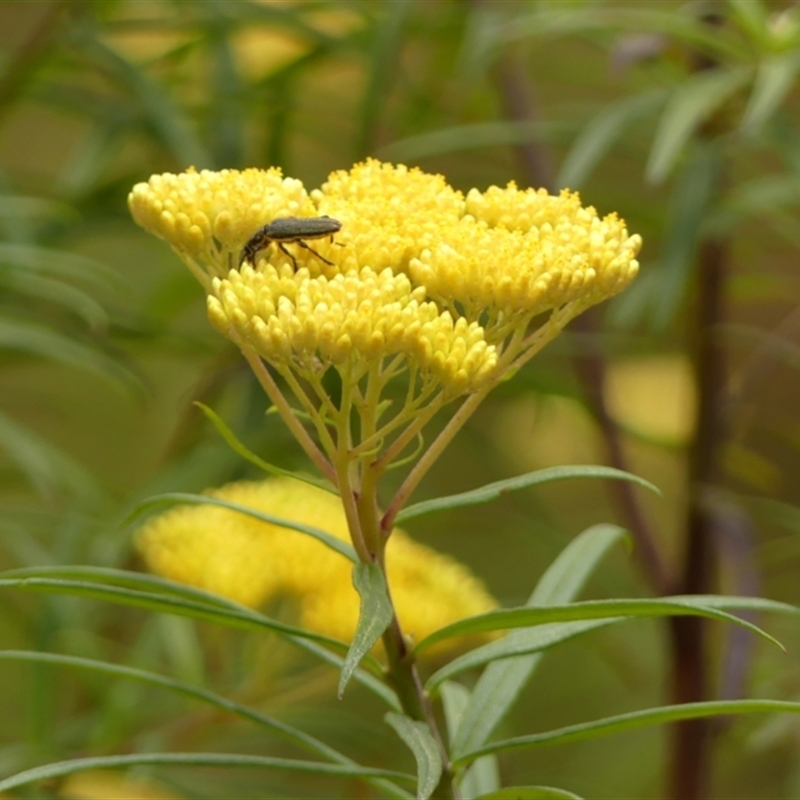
pixel 632 721
pixel 232 618
pixel 46 467
pixel 530 793
pixel 562 19
pixel 228 91
pixel 588 610
pixel 484 774
pixel 468 137
pixel 55 291
pixel 751 18
pixel 287 732
pixel 61 768
pixel 494 490
pixel 690 199
pixel 181 498
pixel 102 575
pixel 73 268
pixel 386 39
pixel 738 603
pixel 239 447
pixel 162 115
pixel 691 104
pixel 374 616
pixel 418 737
pixel 536 640
pixel 35 339
pixel 599 135
pixel 502 681
pixel 774 79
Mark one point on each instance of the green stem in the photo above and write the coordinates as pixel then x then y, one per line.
pixel 319 423
pixel 408 435
pixel 430 455
pixel 509 360
pixel 402 670
pixel 287 412
pixel 344 471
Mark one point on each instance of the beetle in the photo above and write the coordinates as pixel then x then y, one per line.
pixel 290 230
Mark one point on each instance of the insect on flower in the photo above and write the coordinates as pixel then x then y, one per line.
pixel 290 230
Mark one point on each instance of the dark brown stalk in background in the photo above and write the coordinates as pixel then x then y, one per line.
pixel 690 747
pixel 689 773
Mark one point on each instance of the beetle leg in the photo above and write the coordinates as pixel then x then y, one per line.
pixel 311 249
pixel 286 252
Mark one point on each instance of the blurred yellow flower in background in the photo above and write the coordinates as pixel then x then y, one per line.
pixel 101 784
pixel 255 563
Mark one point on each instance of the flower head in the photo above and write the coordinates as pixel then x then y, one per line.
pixel 417 269
pixel 208 216
pixel 517 253
pixel 292 318
pixel 254 563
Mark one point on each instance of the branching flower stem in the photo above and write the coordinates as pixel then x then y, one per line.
pixel 511 359
pixel 287 413
pixel 297 390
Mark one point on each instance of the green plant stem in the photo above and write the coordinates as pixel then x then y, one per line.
pixel 402 670
pixel 287 413
pixel 411 482
pixel 408 435
pixel 324 435
pixel 344 472
pixel 511 359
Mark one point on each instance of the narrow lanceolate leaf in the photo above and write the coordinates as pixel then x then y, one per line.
pixel 535 640
pixel 49 469
pixel 468 137
pixel 483 776
pixel 692 102
pixel 600 134
pixel 61 768
pixel 587 610
pixel 233 618
pixel 631 721
pixel 241 449
pixel 37 340
pixel 502 681
pixel 692 195
pixel 373 619
pixel 530 793
pixel 494 490
pixel 181 498
pixel 282 729
pixel 774 79
pixel 418 737
pixel 164 587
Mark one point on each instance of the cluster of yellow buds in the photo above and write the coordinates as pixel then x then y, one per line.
pixel 419 269
pixel 294 319
pixel 207 217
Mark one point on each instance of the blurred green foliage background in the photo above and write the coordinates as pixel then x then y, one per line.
pixel 681 117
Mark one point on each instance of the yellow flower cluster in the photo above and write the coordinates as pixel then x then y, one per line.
pixel 252 562
pixel 292 318
pixel 389 213
pixel 519 253
pixel 208 216
pixel 495 258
